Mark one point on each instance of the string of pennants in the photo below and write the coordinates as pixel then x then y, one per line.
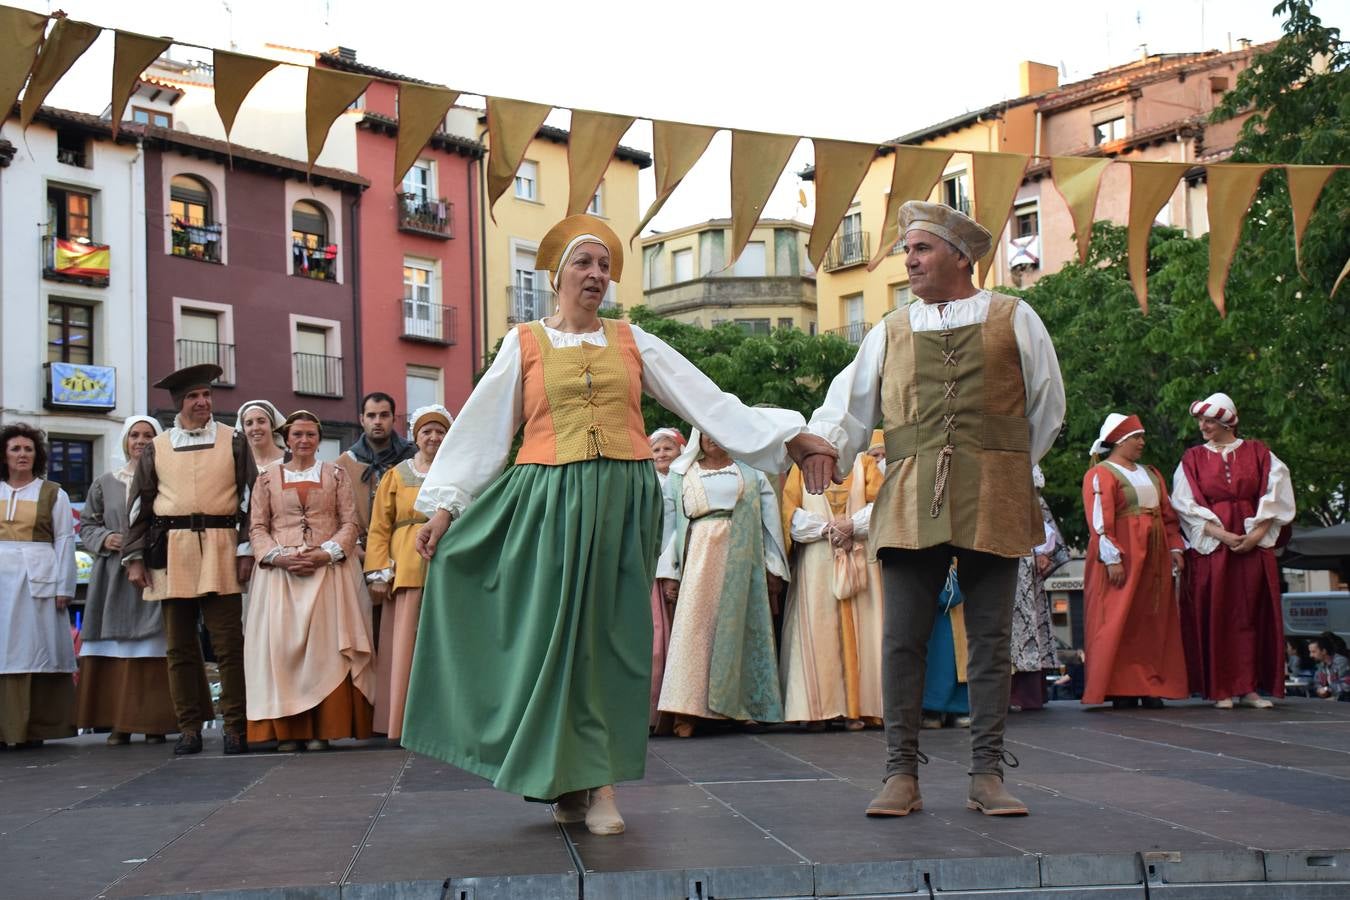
pixel 32 55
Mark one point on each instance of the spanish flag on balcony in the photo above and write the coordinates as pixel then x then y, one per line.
pixel 88 260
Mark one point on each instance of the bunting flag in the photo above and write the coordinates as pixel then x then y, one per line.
pixel 74 258
pixel 132 55
pixel 24 31
pixel 757 160
pixel 1151 185
pixel 590 147
pixel 1231 189
pixel 1078 178
pixel 327 93
pixel 421 110
pixel 995 178
pixel 914 173
pixel 1305 187
pixel 840 169
pixel 236 75
pixel 1345 270
pixel 512 124
pixel 67 43
pixel 675 149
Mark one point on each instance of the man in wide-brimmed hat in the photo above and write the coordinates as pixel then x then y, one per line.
pixel 968 390
pixel 187 547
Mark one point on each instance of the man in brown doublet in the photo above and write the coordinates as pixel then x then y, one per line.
pixel 968 389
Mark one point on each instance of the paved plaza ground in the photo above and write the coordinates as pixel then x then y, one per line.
pixel 1188 802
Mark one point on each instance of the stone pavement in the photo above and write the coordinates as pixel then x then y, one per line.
pixel 1187 802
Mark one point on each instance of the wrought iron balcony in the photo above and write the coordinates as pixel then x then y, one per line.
pixel 527 304
pixel 422 215
pixel 429 322
pixel 70 156
pixel 196 239
pixel 318 375
pixel 853 332
pixel 196 353
pixel 80 261
pixel 850 248
pixel 319 263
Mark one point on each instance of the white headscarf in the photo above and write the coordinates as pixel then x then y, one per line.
pixel 570 249
pixel 128 467
pixel 272 413
pixel 692 451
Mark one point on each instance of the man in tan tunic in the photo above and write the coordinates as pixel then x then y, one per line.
pixel 187 548
pixel 967 386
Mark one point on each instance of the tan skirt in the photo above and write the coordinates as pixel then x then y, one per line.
pixel 36 706
pixel 393 662
pixel 127 695
pixel 345 713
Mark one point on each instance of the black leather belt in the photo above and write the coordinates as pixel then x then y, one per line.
pixel 195 522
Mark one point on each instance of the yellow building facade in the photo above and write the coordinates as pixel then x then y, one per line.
pixel 771 285
pixel 849 298
pixel 514 290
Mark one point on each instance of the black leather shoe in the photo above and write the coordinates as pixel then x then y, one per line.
pixel 189 742
pixel 235 743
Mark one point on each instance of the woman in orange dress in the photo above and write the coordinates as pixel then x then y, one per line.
pixel 1133 625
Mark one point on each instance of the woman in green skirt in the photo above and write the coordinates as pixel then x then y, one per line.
pixel 533 658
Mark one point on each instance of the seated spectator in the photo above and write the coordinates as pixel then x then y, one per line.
pixel 1332 679
pixel 1298 663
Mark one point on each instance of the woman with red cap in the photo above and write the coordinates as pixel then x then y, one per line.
pixel 1232 496
pixel 1132 631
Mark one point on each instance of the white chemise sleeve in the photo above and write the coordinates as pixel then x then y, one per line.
pixel 1044 384
pixel 1107 552
pixel 775 556
pixel 852 405
pixel 478 444
pixel 1192 516
pixel 1276 505
pixel 63 544
pixel 666 563
pixel 806 527
pixel 757 436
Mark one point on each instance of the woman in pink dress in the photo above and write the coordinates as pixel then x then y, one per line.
pixel 667 445
pixel 1232 496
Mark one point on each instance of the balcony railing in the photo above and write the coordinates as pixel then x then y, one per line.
pixel 430 322
pixel 850 248
pixel 318 375
pixel 319 263
pixel 72 157
pixel 853 332
pixel 196 353
pixel 196 239
pixel 80 261
pixel 527 304
pixel 422 215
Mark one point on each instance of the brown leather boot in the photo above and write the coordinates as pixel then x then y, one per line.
pixel 987 795
pixel 899 797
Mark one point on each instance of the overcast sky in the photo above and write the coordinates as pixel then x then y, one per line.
pixel 864 70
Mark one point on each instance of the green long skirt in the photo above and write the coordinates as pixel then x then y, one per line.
pixel 534 649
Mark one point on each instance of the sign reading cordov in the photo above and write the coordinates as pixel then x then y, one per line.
pixel 81 386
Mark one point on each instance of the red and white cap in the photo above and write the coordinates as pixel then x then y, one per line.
pixel 1219 407
pixel 1115 429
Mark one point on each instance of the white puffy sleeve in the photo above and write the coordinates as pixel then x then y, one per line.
pixel 807 527
pixel 852 405
pixel 775 556
pixel 754 435
pixel 1192 516
pixel 1107 551
pixel 1277 503
pixel 63 544
pixel 666 563
pixel 1044 384
pixel 478 444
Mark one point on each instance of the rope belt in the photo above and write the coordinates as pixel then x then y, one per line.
pixel 944 467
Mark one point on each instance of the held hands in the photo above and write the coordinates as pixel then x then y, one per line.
pixel 379 590
pixel 1042 564
pixel 817 459
pixel 670 590
pixel 840 532
pixel 430 534
pixel 1115 573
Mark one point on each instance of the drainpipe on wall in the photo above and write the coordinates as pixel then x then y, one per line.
pixel 356 293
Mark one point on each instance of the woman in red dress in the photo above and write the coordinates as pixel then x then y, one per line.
pixel 1132 628
pixel 1232 496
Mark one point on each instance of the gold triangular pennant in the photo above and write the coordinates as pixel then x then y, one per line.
pixel 915 171
pixel 757 160
pixel 675 149
pixel 1305 186
pixel 132 55
pixel 421 110
pixel 1345 270
pixel 512 125
pixel 995 178
pixel 591 143
pixel 327 93
pixel 1078 178
pixel 1231 189
pixel 67 43
pixel 23 32
pixel 1151 185
pixel 235 76
pixel 840 169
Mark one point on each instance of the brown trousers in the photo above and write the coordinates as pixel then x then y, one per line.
pixel 223 616
pixel 912 580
